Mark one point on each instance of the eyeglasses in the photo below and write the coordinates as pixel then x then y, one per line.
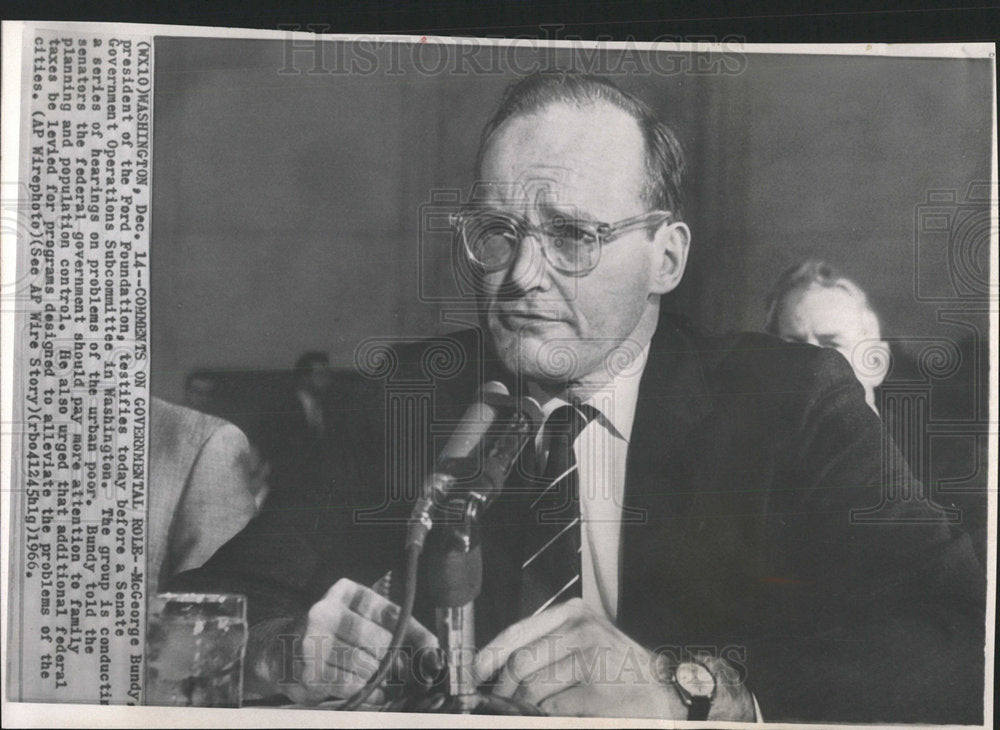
pixel 491 237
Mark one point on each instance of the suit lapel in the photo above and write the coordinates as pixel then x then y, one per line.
pixel 674 397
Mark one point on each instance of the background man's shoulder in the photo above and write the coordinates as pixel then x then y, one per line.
pixel 770 361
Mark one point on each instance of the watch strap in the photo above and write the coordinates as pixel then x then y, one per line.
pixel 699 707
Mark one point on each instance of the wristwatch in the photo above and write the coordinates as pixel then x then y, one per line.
pixel 696 687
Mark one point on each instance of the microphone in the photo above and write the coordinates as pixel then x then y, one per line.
pixel 480 453
pixel 504 447
pixel 496 426
pixel 472 429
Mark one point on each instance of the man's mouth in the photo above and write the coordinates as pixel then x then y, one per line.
pixel 519 317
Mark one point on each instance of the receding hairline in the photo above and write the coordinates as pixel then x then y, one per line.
pixel 841 284
pixel 646 184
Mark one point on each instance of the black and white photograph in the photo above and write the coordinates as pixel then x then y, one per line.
pixel 473 376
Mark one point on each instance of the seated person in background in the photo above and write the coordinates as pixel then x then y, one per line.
pixel 294 435
pixel 312 388
pixel 201 488
pixel 813 303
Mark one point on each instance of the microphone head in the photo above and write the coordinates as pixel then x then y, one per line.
pixel 495 394
pixel 475 424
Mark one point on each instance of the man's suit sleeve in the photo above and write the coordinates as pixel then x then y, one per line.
pixel 217 501
pixel 898 634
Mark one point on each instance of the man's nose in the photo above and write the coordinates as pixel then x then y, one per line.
pixel 528 269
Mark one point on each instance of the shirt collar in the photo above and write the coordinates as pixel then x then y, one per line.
pixel 307 399
pixel 615 401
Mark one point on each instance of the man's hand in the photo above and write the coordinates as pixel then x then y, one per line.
pixel 569 661
pixel 340 642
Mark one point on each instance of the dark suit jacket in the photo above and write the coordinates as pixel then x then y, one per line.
pixel 747 460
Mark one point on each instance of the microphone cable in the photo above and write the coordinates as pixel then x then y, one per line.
pixel 402 623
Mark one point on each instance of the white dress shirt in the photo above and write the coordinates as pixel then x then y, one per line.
pixel 600 452
pixel 313 411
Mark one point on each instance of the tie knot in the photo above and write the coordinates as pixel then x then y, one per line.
pixel 570 420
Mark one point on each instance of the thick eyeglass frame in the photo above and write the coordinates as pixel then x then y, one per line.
pixel 598 234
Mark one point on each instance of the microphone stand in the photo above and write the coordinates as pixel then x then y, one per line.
pixel 453 578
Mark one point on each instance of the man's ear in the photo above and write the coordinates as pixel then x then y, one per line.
pixel 670 243
pixel 877 359
pixel 875 354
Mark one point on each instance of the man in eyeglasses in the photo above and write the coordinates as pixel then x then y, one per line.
pixel 572 170
pixel 702 556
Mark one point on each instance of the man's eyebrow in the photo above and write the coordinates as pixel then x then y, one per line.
pixel 552 208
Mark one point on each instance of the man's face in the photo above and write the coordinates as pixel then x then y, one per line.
pixel 578 163
pixel 831 317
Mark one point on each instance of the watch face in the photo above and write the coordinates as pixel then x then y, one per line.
pixel 695 679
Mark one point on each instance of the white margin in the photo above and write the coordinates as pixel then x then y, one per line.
pixel 68 715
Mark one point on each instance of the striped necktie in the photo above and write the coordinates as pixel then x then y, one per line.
pixel 550 565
